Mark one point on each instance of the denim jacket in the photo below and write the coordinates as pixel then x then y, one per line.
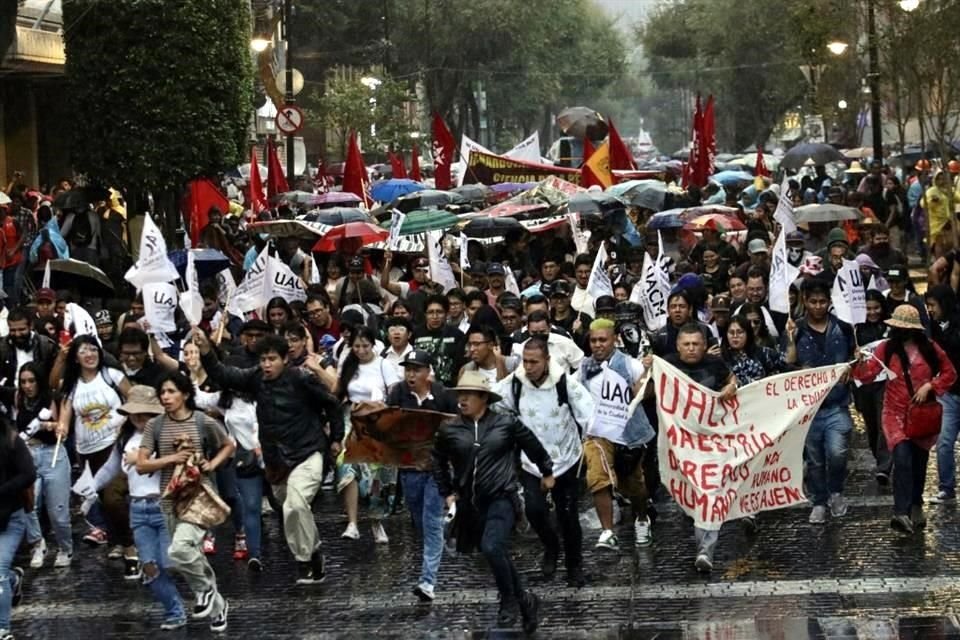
pixel 838 347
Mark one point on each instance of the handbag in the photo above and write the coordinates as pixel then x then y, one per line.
pixel 924 419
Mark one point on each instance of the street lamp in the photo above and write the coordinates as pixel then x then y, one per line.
pixel 909 5
pixel 837 47
pixel 842 104
pixel 259 44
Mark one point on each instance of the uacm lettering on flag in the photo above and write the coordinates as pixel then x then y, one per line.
pixel 849 296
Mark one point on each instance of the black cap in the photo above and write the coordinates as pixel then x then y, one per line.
pixel 898 272
pixel 421 262
pixel 417 358
pixel 254 325
pixel 496 269
pixel 355 263
pixel 559 289
pixel 605 303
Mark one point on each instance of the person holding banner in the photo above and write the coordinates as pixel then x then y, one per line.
pixel 821 340
pixel 921 372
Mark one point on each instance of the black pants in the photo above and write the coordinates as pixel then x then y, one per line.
pixel 565 494
pixel 497 522
pixel 909 476
pixel 869 402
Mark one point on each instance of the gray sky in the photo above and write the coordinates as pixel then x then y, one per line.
pixel 627 11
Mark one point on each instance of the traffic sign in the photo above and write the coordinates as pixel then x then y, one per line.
pixel 289 119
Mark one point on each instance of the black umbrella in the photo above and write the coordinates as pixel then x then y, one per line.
pixel 819 152
pixel 582 122
pixel 426 199
pixel 334 216
pixel 490 227
pixel 70 200
pixel 209 262
pixel 474 192
pixel 595 202
pixel 80 276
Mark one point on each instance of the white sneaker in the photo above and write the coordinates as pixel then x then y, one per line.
pixel 38 554
pixel 115 553
pixel 703 563
pixel 642 534
pixel 943 497
pixel 379 535
pixel 351 532
pixel 818 515
pixel 838 506
pixel 424 591
pixel 608 540
pixel 63 560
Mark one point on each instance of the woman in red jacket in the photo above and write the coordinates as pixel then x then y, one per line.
pixel 919 366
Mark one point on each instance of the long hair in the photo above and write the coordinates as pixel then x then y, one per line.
pixel 8 435
pixel 753 307
pixel 72 372
pixel 749 348
pixel 351 363
pixel 278 303
pixel 183 384
pixel 43 386
pixel 896 346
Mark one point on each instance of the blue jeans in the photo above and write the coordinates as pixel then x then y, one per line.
pixel 227 488
pixel 251 495
pixel 497 522
pixel 950 428
pixel 9 542
pixel 152 539
pixel 426 507
pixel 826 449
pixel 53 492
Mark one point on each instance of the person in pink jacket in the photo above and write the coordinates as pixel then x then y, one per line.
pixel 917 367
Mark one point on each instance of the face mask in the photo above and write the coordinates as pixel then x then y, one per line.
pixel 794 254
pixel 881 247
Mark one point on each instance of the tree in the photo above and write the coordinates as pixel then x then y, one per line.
pixel 8 25
pixel 162 91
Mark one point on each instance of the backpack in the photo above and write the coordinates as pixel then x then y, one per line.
pixel 562 398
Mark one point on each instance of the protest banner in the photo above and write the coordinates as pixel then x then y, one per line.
pixel 782 274
pixel 725 459
pixel 489 168
pixel 440 270
pixel 253 290
pixel 226 286
pixel 848 296
pixel 652 290
pixel 396 221
pixel 282 282
pixel 80 320
pixel 153 264
pixel 392 436
pixel 527 150
pixel 190 300
pixel 159 306
pixel 599 283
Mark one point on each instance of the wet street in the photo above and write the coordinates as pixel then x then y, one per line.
pixel 853 578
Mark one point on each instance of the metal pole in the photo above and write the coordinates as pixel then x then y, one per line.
pixel 873 77
pixel 288 89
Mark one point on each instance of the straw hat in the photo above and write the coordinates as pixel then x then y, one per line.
pixel 141 399
pixel 855 167
pixel 906 316
pixel 475 381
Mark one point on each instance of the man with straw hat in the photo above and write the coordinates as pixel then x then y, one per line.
pixel 474 467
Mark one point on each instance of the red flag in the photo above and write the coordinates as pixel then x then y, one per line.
pixel 760 168
pixel 709 144
pixel 443 147
pixel 415 164
pixel 396 164
pixel 276 181
pixel 201 195
pixel 255 199
pixel 620 156
pixel 355 171
pixel 692 175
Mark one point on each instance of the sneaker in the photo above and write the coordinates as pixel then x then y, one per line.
pixel 96 537
pixel 6 635
pixel 549 563
pixel 38 554
pixel 703 563
pixel 818 515
pixel 749 524
pixel 379 535
pixel 254 564
pixel 641 530
pixel 883 478
pixel 17 588
pixel 209 545
pixel 171 624
pixel 508 613
pixel 240 551
pixel 608 540
pixel 219 624
pixel 901 524
pixel 943 497
pixel 115 553
pixel 204 606
pixel 319 564
pixel 63 560
pixel 305 573
pixel 530 610
pixel 576 578
pixel 918 517
pixel 131 569
pixel 351 532
pixel 424 591
pixel 838 505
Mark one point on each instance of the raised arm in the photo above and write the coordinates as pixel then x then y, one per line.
pixel 232 378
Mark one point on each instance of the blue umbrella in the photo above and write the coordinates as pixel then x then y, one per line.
pixel 389 190
pixel 209 262
pixel 731 177
pixel 666 220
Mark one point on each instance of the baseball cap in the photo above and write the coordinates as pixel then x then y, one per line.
pixel 720 303
pixel 421 262
pixel 46 294
pixel 898 272
pixel 606 303
pixel 355 263
pixel 496 269
pixel 417 358
pixel 102 317
pixel 795 237
pixel 559 289
pixel 757 246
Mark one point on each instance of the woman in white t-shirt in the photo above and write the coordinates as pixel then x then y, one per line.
pixel 91 394
pixel 364 377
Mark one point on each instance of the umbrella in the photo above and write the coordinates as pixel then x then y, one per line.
pixel 79 275
pixel 582 122
pixel 209 262
pixel 296 197
pixel 648 194
pixel 427 198
pixel 490 227
pixel 511 209
pixel 474 192
pixel 819 152
pixel 333 216
pixel 825 213
pixel 860 153
pixel 335 199
pixel 596 202
pixel 512 187
pixel 5 199
pixel 716 222
pixel 353 235
pixel 390 190
pixel 428 220
pixel 72 199
pixel 726 178
pixel 302 229
pixel 750 160
pixel 676 218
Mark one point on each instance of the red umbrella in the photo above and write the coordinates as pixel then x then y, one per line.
pixel 351 235
pixel 716 222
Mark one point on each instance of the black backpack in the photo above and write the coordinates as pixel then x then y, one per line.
pixel 562 399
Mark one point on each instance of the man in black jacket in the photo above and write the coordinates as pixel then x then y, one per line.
pixel 22 345
pixel 481 446
pixel 292 407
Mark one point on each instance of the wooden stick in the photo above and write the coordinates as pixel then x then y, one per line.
pixel 56 452
pixel 223 320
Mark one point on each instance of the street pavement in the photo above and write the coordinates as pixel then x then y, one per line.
pixel 852 578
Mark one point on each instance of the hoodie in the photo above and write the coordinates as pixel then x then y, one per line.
pixel 946 333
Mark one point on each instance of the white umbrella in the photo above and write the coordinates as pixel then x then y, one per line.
pixel 4 198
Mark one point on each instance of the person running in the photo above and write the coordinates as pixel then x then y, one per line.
pixel 159 451
pixel 292 408
pixel 473 466
pixel 556 408
pixel 17 475
pixel 38 427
